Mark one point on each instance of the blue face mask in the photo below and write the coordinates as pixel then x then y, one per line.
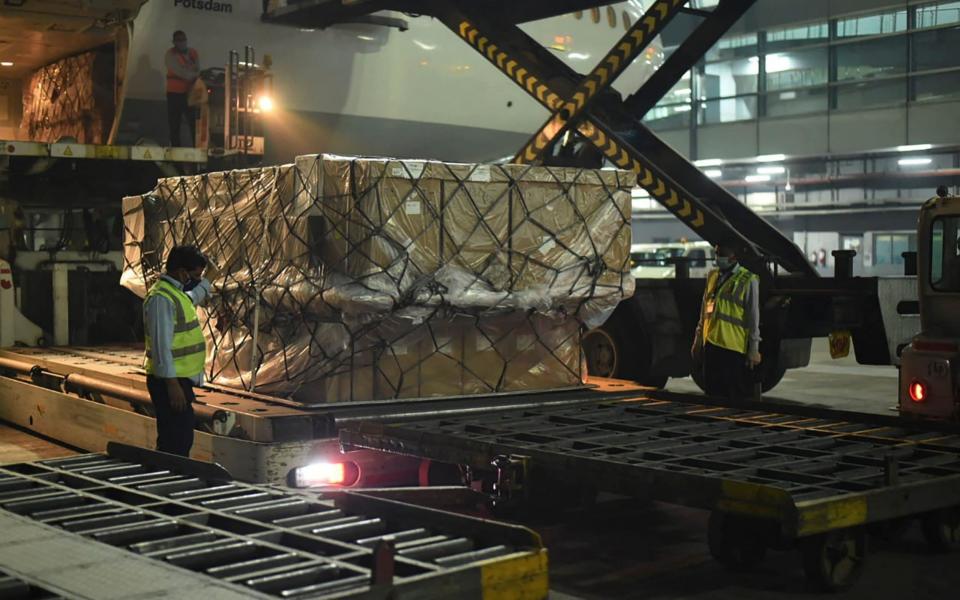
pixel 725 262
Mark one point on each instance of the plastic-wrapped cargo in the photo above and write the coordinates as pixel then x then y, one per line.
pixel 71 98
pixel 359 279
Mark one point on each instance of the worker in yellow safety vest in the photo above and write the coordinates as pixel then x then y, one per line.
pixel 727 342
pixel 175 348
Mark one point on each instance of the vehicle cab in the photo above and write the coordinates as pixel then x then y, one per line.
pixel 929 364
pixel 656 261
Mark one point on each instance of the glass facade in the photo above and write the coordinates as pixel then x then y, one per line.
pixel 888 248
pixel 845 64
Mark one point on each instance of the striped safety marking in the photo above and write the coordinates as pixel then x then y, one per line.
pixel 613 64
pixel 660 189
pixel 657 187
pixel 511 67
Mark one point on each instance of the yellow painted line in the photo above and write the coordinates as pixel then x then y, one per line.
pixel 521 578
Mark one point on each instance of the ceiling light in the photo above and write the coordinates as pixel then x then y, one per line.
pixel 578 55
pixel 771 157
pixel 682 92
pixel 906 162
pixel 788 187
pixel 914 147
pixel 6 63
pixel 709 162
pixel 771 170
pixel 682 108
pixel 713 173
pixel 757 178
pixel 366 38
pixel 424 46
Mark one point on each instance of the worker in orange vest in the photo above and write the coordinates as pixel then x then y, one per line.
pixel 183 68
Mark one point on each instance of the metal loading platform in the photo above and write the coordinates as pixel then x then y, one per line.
pixel 85 396
pixel 773 476
pixel 135 521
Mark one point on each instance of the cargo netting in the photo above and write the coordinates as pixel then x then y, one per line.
pixel 358 279
pixel 70 98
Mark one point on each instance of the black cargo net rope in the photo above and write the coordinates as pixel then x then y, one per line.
pixel 70 98
pixel 365 279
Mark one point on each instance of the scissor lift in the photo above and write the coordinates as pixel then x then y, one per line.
pixel 579 103
pixel 797 307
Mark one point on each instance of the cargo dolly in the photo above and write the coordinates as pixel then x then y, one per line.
pixel 133 521
pixel 773 477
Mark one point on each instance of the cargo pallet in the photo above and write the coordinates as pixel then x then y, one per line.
pixel 774 476
pixel 135 521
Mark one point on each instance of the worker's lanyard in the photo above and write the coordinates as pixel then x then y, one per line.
pixel 722 279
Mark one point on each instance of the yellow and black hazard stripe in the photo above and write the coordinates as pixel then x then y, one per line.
pixel 656 186
pixel 661 189
pixel 607 70
pixel 510 66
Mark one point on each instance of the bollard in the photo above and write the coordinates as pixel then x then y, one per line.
pixel 843 263
pixel 909 262
pixel 681 267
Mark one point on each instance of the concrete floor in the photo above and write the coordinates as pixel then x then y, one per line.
pixel 841 384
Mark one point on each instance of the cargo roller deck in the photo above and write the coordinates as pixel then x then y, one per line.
pixel 774 476
pixel 132 522
pixel 812 470
pixel 85 396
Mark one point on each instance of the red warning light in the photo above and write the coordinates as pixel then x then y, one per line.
pixel 918 391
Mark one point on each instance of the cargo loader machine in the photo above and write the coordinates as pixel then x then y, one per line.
pixel 648 337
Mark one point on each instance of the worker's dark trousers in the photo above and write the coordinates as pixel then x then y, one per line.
pixel 177 110
pixel 726 374
pixel 174 428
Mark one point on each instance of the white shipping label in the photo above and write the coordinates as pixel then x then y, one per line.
pixel 410 168
pixel 547 245
pixel 480 173
pixel 412 207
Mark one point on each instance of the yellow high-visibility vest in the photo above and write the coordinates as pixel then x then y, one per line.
pixel 725 310
pixel 189 348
